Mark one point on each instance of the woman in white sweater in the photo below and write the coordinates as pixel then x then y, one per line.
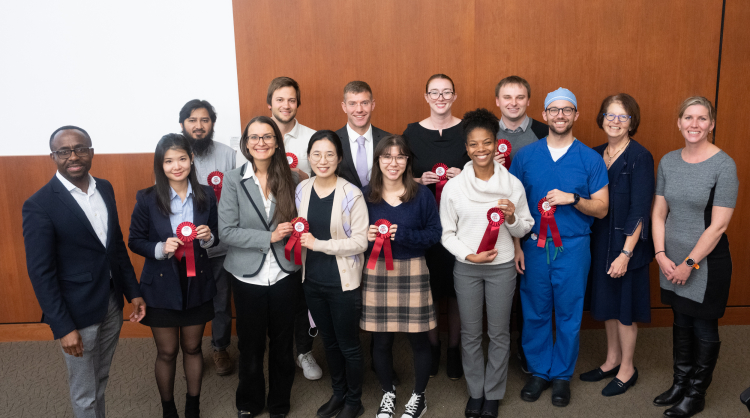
pixel 483 194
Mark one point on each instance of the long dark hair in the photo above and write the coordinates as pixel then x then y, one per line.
pixel 280 181
pixel 176 142
pixel 376 184
pixel 331 137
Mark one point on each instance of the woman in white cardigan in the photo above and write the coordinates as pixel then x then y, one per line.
pixel 488 275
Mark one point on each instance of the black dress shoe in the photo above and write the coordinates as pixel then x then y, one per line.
pixel 598 374
pixel 489 409
pixel 351 411
pixel 534 388
pixel 745 398
pixel 474 407
pixel 560 392
pixel 245 414
pixel 331 408
pixel 277 416
pixel 618 387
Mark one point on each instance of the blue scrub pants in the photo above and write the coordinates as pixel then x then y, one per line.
pixel 559 285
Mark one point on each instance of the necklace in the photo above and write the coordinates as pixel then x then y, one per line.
pixel 609 163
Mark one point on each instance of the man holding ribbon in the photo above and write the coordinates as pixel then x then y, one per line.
pixel 566 184
pixel 212 160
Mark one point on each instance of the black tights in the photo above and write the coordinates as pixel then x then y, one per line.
pixel 168 343
pixel 382 356
pixel 703 329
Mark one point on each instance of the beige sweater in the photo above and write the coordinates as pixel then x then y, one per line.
pixel 349 224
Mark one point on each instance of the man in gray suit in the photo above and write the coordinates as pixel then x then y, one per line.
pixel 359 138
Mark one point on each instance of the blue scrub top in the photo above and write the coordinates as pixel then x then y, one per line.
pixel 581 170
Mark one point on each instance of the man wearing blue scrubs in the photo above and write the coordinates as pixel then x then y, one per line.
pixel 573 179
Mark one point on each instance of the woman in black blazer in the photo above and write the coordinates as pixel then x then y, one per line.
pixel 178 290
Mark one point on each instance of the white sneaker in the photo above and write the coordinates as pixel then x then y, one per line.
pixel 310 368
pixel 416 407
pixel 387 407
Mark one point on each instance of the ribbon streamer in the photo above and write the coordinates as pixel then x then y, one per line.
pixel 186 232
pixel 300 227
pixel 504 148
pixel 292 160
pixel 489 239
pixel 548 219
pixel 442 171
pixel 383 240
pixel 216 180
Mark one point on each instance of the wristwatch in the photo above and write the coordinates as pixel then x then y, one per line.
pixel 576 198
pixel 627 253
pixel 691 263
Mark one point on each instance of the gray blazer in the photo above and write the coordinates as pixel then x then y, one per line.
pixel 245 228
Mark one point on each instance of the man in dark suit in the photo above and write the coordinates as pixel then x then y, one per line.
pixel 79 267
pixel 359 138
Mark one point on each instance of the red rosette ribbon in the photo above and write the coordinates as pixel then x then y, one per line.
pixel 489 239
pixel 186 232
pixel 504 148
pixel 216 180
pixel 548 219
pixel 292 160
pixel 442 171
pixel 382 241
pixel 300 226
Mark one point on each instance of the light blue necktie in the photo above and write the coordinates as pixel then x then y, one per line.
pixel 362 161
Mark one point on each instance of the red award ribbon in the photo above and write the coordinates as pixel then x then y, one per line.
pixel 300 226
pixel 383 240
pixel 548 218
pixel 292 160
pixel 504 148
pixel 216 180
pixel 186 232
pixel 442 171
pixel 495 218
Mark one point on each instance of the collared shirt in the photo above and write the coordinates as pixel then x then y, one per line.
pixel 296 141
pixel 521 128
pixel 182 211
pixel 92 205
pixel 270 273
pixel 355 146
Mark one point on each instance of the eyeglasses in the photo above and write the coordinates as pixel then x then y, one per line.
pixel 567 111
pixel 387 159
pixel 434 94
pixel 80 152
pixel 267 138
pixel 621 118
pixel 316 157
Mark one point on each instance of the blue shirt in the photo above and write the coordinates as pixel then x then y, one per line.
pixel 581 170
pixel 182 211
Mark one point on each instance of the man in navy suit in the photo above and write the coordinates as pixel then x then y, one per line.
pixel 359 138
pixel 79 267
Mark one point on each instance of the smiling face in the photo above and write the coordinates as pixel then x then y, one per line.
pixel 358 108
pixel 512 99
pixel 198 125
pixel 323 159
pixel 695 124
pixel 560 123
pixel 263 149
pixel 441 105
pixel 615 129
pixel 480 145
pixel 176 165
pixel 392 170
pixel 284 104
pixel 73 168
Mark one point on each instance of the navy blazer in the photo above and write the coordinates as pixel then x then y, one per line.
pixel 160 279
pixel 69 267
pixel 347 169
pixel 631 192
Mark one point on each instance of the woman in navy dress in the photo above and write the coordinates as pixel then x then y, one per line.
pixel 621 246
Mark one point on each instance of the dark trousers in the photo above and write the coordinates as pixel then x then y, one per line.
pixel 336 314
pixel 221 326
pixel 302 338
pixel 264 311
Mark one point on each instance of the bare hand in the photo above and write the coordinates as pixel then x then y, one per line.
pixel 394 227
pixel 665 265
pixel 307 240
pixel 619 267
pixel 558 198
pixel 139 310
pixel 282 231
pixel 203 233
pixel 171 245
pixel 680 274
pixel 452 172
pixel 72 344
pixel 483 257
pixel 519 259
pixel 508 209
pixel 428 177
pixel 499 158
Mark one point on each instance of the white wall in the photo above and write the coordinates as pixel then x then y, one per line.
pixel 120 70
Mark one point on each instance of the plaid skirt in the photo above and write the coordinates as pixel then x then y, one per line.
pixel 398 300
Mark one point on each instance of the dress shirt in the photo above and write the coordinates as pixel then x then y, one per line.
pixel 296 141
pixel 92 205
pixel 521 128
pixel 270 273
pixel 182 211
pixel 355 146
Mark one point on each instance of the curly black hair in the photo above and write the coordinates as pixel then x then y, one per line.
pixel 480 118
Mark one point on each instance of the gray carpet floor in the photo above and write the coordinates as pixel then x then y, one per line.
pixel 33 382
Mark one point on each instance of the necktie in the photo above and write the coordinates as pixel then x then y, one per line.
pixel 362 161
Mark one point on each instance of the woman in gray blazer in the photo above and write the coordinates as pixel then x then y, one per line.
pixel 255 210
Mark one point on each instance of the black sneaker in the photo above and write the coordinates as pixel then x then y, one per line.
pixel 387 405
pixel 416 407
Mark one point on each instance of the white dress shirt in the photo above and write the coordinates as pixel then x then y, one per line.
pixel 355 146
pixel 270 273
pixel 296 141
pixel 92 205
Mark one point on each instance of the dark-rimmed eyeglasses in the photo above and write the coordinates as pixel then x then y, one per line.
pixel 567 111
pixel 267 138
pixel 621 118
pixel 80 152
pixel 434 94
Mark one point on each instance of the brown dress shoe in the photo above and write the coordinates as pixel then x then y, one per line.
pixel 224 364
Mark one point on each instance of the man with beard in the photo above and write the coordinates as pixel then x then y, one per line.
pixel 567 181
pixel 197 119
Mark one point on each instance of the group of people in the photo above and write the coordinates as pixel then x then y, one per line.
pixel 359 229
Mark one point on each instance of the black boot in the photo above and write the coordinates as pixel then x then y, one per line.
pixel 169 410
pixel 454 369
pixel 435 366
pixel 682 357
pixel 192 406
pixel 706 354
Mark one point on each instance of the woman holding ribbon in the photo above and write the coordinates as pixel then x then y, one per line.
pixel 255 210
pixel 173 223
pixel 332 231
pixel 438 145
pixel 696 190
pixel 396 283
pixel 481 210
